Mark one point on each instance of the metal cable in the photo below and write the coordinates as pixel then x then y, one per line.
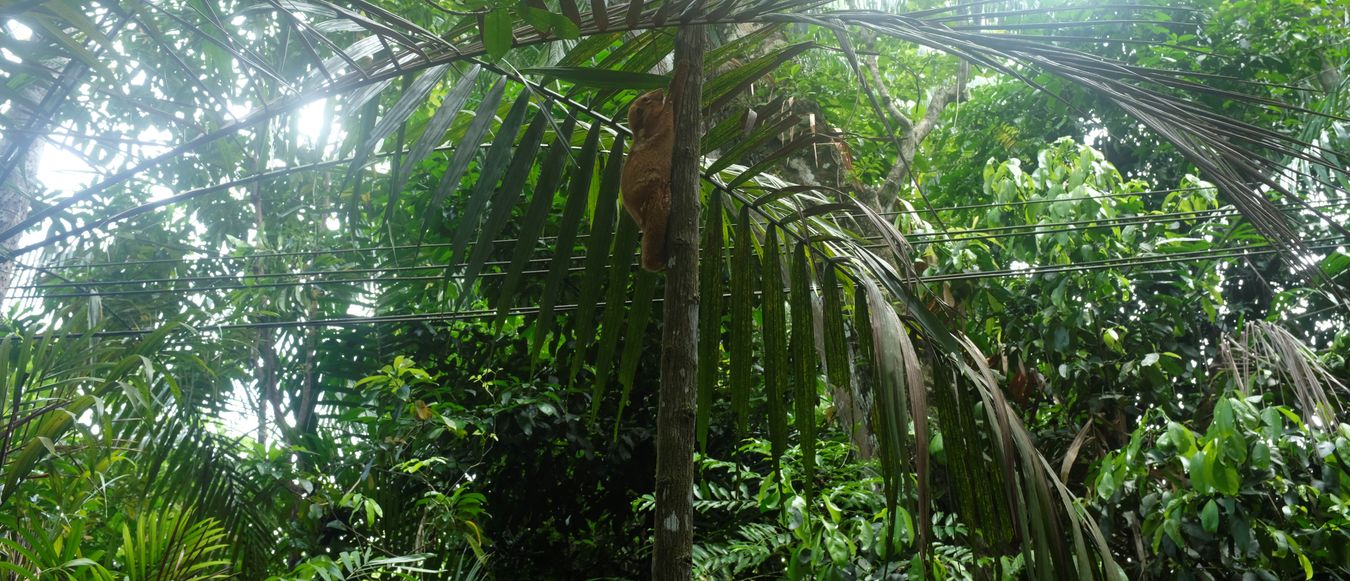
pixel 919 238
pixel 547 238
pixel 485 313
pixel 1213 253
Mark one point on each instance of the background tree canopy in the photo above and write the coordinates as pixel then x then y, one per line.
pixel 311 289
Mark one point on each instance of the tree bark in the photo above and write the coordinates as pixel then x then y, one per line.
pixel 14 205
pixel 17 188
pixel 672 557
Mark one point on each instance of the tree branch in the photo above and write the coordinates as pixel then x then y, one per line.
pixel 918 131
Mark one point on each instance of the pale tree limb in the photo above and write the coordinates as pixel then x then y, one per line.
pixel 912 132
pixel 909 133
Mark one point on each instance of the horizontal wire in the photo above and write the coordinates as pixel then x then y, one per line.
pixel 1039 229
pixel 580 236
pixel 519 311
pixel 1092 223
pixel 246 276
pixel 1223 252
pixel 1218 253
pixel 297 283
pixel 1042 201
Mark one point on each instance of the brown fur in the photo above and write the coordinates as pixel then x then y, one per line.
pixel 645 181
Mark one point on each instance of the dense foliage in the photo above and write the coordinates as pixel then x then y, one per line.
pixel 345 303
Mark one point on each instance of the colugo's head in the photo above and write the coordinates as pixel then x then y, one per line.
pixel 646 105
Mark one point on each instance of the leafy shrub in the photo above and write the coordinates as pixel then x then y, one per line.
pixel 1258 492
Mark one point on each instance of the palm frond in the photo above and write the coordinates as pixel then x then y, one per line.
pixel 1265 350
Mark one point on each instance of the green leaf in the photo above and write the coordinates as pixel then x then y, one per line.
pixel 804 365
pixel 564 27
pixel 1112 339
pixel 1172 527
pixel 764 130
pixel 1182 438
pixel 1223 424
pixel 535 217
pixel 726 86
pixel 505 200
pixel 1209 517
pixel 742 337
pixel 712 269
pixel 597 257
pixel 467 149
pixel 578 194
pixel 643 295
pixel 882 329
pixel 1199 469
pixel 1260 456
pixel 621 263
pixel 413 96
pixel 776 366
pixel 1226 479
pixel 538 18
pixel 836 346
pixel 56 32
pixel 490 170
pixel 497 36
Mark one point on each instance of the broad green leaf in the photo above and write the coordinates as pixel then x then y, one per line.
pixel 777 368
pixel 536 17
pixel 505 200
pixel 643 294
pixel 544 191
pixel 578 194
pixel 712 269
pixel 742 340
pixel 1209 517
pixel 497 34
pixel 1182 438
pixel 564 27
pixel 465 151
pixel 1225 477
pixel 611 326
pixel 597 257
pixel 804 364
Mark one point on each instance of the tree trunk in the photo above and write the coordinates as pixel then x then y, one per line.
pixel 672 558
pixel 14 204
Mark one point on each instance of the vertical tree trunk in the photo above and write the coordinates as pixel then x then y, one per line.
pixel 18 186
pixel 14 204
pixel 673 558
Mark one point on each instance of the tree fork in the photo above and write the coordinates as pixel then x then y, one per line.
pixel 672 557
